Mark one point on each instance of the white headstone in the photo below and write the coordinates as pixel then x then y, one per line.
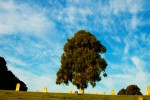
pixel 82 91
pixel 96 93
pixel 112 92
pixel 45 90
pixel 17 86
pixel 104 93
pixel 140 97
pixel 148 90
pixel 69 91
pixel 76 92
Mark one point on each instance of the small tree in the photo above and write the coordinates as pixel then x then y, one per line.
pixel 81 62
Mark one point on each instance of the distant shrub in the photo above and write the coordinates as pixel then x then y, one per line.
pixel 122 92
pixel 130 90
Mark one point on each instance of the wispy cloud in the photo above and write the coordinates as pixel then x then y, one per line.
pixel 22 18
pixel 131 6
pixel 137 62
pixel 16 61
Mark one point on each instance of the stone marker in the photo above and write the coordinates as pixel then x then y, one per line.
pixel 148 90
pixel 76 92
pixel 69 91
pixel 112 92
pixel 140 97
pixel 96 93
pixel 82 91
pixel 104 93
pixel 45 90
pixel 17 86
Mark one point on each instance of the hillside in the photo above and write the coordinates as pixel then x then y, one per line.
pixel 20 95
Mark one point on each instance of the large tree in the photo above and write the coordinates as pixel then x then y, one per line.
pixel 8 80
pixel 81 62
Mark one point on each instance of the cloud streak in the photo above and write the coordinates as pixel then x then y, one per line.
pixel 21 18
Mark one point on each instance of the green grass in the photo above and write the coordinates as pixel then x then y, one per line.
pixel 19 95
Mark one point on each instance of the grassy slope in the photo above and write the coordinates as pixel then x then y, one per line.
pixel 14 95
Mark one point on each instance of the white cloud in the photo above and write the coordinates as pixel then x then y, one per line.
pixel 116 38
pixel 131 6
pixel 135 22
pixel 16 61
pixel 21 18
pixel 137 62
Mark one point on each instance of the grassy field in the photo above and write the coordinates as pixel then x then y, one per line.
pixel 18 95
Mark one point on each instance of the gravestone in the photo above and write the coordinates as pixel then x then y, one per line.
pixel 140 97
pixel 17 86
pixel 104 93
pixel 45 90
pixel 82 91
pixel 76 92
pixel 112 92
pixel 96 93
pixel 69 91
pixel 148 90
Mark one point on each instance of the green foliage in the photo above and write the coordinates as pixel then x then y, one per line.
pixel 81 62
pixel 130 90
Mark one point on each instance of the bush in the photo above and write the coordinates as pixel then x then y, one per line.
pixel 130 90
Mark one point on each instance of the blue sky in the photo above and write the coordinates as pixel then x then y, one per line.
pixel 33 33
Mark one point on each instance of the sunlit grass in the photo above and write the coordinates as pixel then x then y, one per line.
pixel 19 95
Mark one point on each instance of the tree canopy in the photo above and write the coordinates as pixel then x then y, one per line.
pixel 81 62
pixel 130 90
pixel 8 80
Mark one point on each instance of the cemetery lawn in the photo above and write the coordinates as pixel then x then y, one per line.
pixel 19 95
